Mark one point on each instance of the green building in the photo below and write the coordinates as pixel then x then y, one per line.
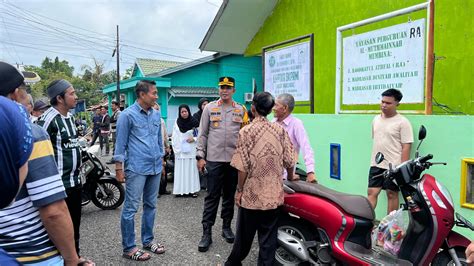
pixel 450 129
pixel 186 83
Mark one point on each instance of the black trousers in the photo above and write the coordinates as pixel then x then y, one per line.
pixel 249 222
pixel 73 201
pixel 203 180
pixel 95 136
pixel 104 141
pixel 163 182
pixel 221 180
pixel 114 139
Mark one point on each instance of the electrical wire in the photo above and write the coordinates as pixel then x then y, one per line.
pixel 78 40
pixel 67 32
pixel 54 30
pixel 46 50
pixel 106 35
pixel 91 42
pixel 8 34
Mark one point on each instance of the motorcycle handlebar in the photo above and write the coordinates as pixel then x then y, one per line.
pixel 424 159
pixel 419 164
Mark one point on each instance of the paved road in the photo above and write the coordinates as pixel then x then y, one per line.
pixel 177 226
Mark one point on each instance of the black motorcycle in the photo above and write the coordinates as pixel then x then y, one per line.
pixel 98 184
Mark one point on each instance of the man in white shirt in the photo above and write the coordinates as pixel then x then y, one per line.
pixel 393 135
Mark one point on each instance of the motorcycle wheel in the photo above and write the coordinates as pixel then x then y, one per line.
pixel 443 258
pixel 114 195
pixel 298 229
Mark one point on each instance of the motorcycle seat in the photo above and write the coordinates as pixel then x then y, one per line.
pixel 353 204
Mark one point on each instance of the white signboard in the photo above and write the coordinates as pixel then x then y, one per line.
pixel 287 70
pixel 392 57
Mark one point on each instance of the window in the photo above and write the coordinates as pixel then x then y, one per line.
pixel 467 183
pixel 335 161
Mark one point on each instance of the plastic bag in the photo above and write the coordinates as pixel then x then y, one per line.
pixel 390 232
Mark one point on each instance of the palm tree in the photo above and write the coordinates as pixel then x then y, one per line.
pixel 94 73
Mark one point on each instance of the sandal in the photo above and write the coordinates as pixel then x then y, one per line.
pixel 156 248
pixel 137 255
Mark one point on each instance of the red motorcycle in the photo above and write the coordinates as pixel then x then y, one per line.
pixel 323 226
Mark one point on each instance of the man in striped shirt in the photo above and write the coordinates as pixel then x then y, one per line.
pixel 16 146
pixel 37 227
pixel 59 124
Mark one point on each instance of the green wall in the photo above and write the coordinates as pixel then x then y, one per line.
pixel 243 69
pixel 449 139
pixel 203 75
pixel 454 35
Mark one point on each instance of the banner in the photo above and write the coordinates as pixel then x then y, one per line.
pixel 392 57
pixel 287 70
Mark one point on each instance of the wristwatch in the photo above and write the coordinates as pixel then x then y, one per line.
pixel 198 157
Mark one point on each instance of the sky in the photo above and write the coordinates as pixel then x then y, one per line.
pixel 80 30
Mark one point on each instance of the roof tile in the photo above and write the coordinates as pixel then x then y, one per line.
pixel 149 66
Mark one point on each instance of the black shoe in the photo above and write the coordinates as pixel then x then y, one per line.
pixel 228 235
pixel 206 241
pixel 166 192
pixel 110 162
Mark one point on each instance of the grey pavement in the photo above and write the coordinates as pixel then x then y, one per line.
pixel 177 226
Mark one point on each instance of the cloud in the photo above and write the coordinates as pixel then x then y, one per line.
pixel 173 27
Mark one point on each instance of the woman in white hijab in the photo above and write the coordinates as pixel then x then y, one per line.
pixel 186 176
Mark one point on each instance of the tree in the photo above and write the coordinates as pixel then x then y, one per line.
pixel 57 66
pixel 51 70
pixel 128 73
pixel 109 77
pixel 87 90
pixel 93 73
pixel 88 85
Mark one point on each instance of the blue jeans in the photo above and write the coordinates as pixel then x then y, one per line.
pixel 135 185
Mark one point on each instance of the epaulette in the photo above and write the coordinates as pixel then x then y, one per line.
pixel 245 118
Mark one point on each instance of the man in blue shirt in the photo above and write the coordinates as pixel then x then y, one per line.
pixel 139 147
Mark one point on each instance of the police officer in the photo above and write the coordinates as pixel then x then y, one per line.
pixel 219 128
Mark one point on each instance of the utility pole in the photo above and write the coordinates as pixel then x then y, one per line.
pixel 116 50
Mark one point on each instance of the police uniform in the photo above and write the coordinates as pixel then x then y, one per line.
pixel 218 134
pixel 219 130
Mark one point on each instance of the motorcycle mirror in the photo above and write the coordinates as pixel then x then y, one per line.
pixel 422 133
pixel 83 143
pixel 379 157
pixel 421 137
